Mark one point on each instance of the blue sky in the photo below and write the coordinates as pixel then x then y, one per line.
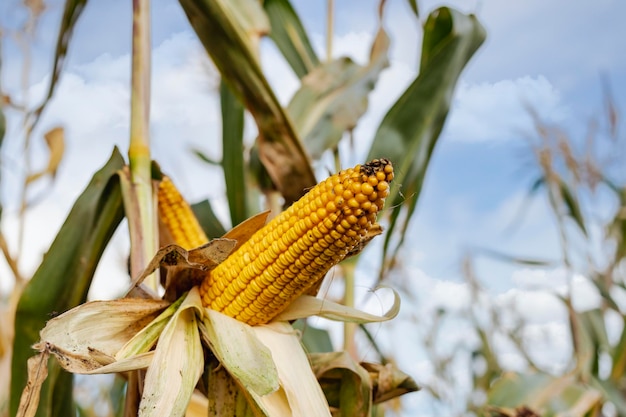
pixel 552 56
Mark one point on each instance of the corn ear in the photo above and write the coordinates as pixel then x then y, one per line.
pixel 178 219
pixel 296 249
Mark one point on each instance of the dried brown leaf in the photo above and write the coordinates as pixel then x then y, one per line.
pixel 388 381
pixel 174 257
pixel 55 140
pixel 37 374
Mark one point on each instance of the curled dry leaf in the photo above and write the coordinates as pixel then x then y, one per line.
pixel 176 258
pixel 388 381
pixel 83 338
pixel 55 140
pixel 37 374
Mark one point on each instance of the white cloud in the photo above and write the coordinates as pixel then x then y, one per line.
pixel 500 111
pixel 92 103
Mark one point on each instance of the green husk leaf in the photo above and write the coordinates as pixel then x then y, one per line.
pixel 306 306
pixel 239 350
pixel 144 339
pixel 177 364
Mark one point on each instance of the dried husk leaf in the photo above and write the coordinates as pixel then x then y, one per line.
pixel 203 258
pixel 82 338
pixel 299 386
pixel 133 363
pixel 37 374
pixel 239 350
pixel 55 140
pixel 177 364
pixel 306 306
pixel 346 384
pixel 388 382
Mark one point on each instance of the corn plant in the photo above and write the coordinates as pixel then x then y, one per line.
pixel 220 342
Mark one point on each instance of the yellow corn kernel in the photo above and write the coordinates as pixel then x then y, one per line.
pixel 293 252
pixel 178 219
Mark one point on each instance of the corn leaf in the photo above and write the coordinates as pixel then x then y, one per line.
pixel 314 340
pixel 290 37
pixel 207 219
pixel 544 394
pixel 177 364
pixel 333 97
pixel 71 13
pixel 233 155
pixel 618 371
pixel 611 392
pixel 572 205
pixel 280 149
pixel 410 129
pixel 63 278
pixel 414 7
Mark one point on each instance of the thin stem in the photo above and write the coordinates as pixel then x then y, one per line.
pixel 329 29
pixel 349 329
pixel 142 216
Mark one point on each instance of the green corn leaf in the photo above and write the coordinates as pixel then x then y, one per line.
pixel 233 159
pixel 410 129
pixel 573 208
pixel 280 149
pixel 414 7
pixel 290 37
pixel 544 394
pixel 334 96
pixel 208 220
pixel 63 279
pixel 71 13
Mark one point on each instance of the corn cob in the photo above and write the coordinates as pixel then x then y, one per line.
pixel 177 217
pixel 294 251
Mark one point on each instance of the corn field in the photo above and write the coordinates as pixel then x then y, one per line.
pixel 216 317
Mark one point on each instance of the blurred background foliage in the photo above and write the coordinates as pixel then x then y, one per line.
pixel 291 140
